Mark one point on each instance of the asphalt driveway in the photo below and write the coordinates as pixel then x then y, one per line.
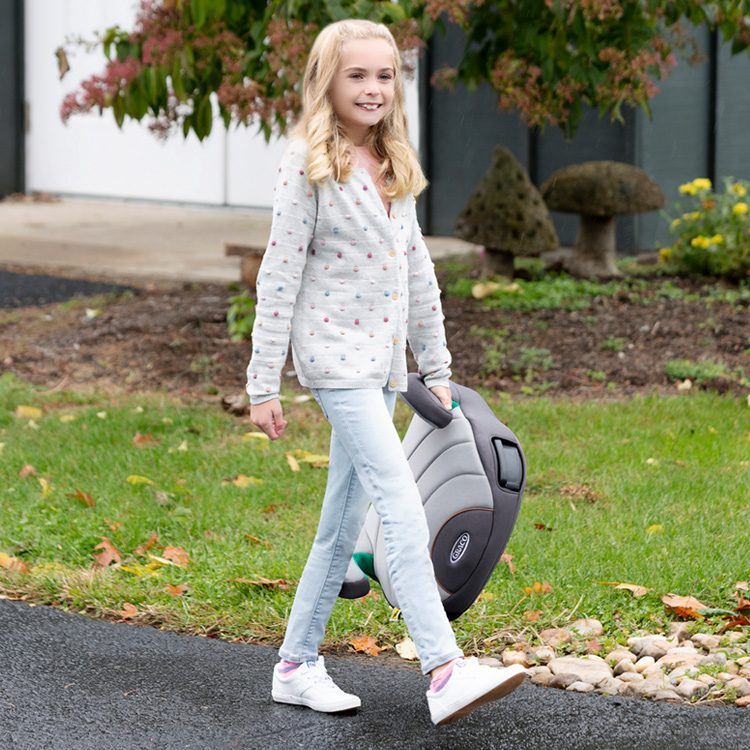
pixel 68 682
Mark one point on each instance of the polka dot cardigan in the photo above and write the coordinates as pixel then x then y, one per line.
pixel 349 283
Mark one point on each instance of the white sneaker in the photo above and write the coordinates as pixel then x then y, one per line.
pixel 472 685
pixel 309 685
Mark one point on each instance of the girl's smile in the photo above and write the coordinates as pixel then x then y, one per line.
pixel 363 87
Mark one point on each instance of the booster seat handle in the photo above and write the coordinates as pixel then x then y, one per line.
pixel 425 403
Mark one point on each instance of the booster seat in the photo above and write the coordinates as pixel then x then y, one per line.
pixel 471 473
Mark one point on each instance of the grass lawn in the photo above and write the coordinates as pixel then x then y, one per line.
pixel 651 491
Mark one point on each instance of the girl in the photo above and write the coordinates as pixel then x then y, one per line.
pixel 347 276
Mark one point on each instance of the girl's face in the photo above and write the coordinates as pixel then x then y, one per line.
pixel 363 87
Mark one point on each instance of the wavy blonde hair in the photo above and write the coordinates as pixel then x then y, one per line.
pixel 329 145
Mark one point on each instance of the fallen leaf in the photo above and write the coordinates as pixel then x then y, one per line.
pixel 177 555
pixel 255 540
pixel 538 588
pixel 532 615
pixel 27 471
pixel 128 610
pixel 82 497
pixel 101 414
pixel 684 606
pixel 273 507
pixel 92 312
pixel 67 418
pixel 141 549
pixel 109 553
pixel 255 436
pixel 277 583
pixel 318 460
pixel 741 585
pixel 484 289
pixel 366 644
pixel 407 650
pixel 28 412
pixel 114 526
pixel 135 479
pixel 177 590
pixel 506 558
pixel 141 441
pixel 542 527
pixel 47 488
pixel 634 588
pixel 656 528
pixel 485 596
pixel 242 481
pixel 140 570
pixel 292 461
pixel 12 563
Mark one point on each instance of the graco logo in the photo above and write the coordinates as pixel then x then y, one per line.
pixel 460 547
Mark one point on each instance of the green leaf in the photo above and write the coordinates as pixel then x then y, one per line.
pixel 199 10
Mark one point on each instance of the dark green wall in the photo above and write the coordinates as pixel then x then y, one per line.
pixel 698 128
pixel 11 97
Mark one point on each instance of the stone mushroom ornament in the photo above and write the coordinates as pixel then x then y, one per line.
pixel 507 215
pixel 599 191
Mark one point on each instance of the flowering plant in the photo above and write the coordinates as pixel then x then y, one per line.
pixel 712 236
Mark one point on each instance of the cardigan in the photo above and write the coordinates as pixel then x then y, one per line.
pixel 349 283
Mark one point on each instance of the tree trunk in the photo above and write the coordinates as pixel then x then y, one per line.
pixel 594 249
pixel 498 263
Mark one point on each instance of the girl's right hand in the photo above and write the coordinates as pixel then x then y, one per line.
pixel 269 416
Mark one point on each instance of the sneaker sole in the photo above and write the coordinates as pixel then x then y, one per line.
pixel 500 691
pixel 326 708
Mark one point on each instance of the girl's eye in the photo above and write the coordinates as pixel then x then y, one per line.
pixel 385 77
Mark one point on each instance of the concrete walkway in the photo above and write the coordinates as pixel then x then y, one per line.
pixel 139 243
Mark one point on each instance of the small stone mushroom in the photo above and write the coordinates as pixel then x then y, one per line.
pixel 599 191
pixel 507 215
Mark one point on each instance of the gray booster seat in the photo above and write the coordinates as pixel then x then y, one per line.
pixel 471 472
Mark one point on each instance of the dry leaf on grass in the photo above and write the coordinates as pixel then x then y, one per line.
pixel 684 606
pixel 177 590
pixel 632 587
pixel 82 497
pixel 177 555
pixel 12 563
pixel 538 588
pixel 506 558
pixel 109 554
pixel 366 644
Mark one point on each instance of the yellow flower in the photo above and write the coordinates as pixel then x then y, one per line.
pixel 688 188
pixel 739 209
pixel 702 183
pixel 676 222
pixel 717 239
pixel 740 190
pixel 665 254
pixel 700 241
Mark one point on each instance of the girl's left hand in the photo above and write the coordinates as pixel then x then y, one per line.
pixel 444 395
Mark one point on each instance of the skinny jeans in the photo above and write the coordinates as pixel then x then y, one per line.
pixel 367 464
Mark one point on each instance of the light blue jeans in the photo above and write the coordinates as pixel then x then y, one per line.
pixel 367 464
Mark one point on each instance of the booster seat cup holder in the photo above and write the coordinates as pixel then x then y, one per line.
pixel 470 470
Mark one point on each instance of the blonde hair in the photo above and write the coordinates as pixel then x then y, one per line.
pixel 329 146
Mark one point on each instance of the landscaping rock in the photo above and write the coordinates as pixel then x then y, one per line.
pixel 563 680
pixel 690 689
pixel 610 686
pixel 626 665
pixel 644 663
pixel 588 669
pixel 545 654
pixel 587 627
pixel 655 646
pixel 678 631
pixel 511 657
pixel 554 637
pixel 540 675
pixel 718 657
pixel 688 658
pixel 616 656
pixel 580 687
pixel 666 695
pixel 491 661
pixel 742 702
pixel 705 641
pixel 631 677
